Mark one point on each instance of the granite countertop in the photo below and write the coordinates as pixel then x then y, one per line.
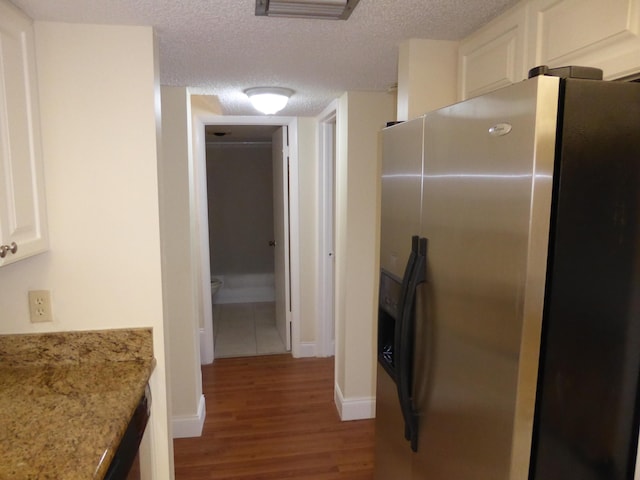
pixel 66 399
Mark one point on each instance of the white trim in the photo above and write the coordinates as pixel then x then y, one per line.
pixel 283 157
pixel 326 249
pixel 187 426
pixel 200 254
pixel 294 226
pixel 294 239
pixel 357 408
pixel 203 341
pixel 307 349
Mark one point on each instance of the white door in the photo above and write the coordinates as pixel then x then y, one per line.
pixel 326 327
pixel 280 157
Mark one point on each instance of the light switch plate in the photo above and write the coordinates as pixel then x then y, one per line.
pixel 40 306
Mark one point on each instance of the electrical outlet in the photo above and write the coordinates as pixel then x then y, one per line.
pixel 40 306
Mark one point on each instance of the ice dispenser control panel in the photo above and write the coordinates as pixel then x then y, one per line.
pixel 388 305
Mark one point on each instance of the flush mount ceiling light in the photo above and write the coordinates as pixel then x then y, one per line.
pixel 322 9
pixel 268 100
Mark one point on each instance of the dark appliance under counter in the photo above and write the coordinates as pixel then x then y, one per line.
pixel 126 464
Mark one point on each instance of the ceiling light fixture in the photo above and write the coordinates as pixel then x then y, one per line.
pixel 322 9
pixel 268 100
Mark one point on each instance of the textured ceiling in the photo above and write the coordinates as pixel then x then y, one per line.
pixel 219 47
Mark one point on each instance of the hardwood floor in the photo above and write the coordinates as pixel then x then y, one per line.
pixel 273 417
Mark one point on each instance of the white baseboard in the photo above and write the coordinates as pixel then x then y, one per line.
pixel 307 349
pixel 187 426
pixel 356 408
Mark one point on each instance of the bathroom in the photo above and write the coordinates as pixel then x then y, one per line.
pixel 241 232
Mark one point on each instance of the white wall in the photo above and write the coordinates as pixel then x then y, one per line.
pixel 240 200
pixel 201 107
pixel 427 76
pixel 361 116
pixel 180 309
pixel 309 236
pixel 99 126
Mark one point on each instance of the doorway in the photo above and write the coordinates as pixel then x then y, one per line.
pixel 247 191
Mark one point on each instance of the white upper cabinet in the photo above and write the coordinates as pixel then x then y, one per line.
pixel 22 204
pixel 494 56
pixel 594 33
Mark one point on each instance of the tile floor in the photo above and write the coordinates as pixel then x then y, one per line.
pixel 245 329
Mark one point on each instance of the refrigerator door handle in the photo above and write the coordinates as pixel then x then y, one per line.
pixel 404 351
pixel 404 289
pixel 400 352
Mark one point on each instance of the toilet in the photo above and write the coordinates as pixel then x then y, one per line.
pixel 216 284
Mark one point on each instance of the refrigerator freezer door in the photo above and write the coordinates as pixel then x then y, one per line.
pixel 488 171
pixel 400 220
pixel 401 193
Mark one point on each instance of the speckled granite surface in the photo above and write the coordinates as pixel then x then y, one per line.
pixel 66 399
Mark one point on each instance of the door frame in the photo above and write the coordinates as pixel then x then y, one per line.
pixel 293 314
pixel 325 323
pixel 281 206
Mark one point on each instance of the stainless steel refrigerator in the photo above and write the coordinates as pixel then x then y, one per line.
pixel 509 307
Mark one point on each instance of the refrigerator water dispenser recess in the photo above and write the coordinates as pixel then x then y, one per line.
pixel 388 311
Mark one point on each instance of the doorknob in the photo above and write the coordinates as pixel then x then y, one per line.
pixel 272 243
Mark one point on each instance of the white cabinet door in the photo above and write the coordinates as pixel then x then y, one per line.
pixel 22 207
pixel 494 56
pixel 594 33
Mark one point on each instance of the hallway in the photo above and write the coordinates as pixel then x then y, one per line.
pixel 245 329
pixel 273 417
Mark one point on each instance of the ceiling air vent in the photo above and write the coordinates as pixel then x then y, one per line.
pixel 323 9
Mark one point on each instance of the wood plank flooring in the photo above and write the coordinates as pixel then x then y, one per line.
pixel 273 417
